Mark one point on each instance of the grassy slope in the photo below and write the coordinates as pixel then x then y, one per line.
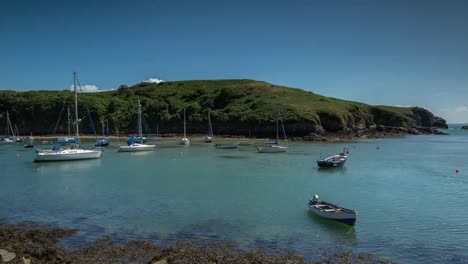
pixel 235 104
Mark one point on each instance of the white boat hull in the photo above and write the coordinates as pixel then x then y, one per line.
pixel 272 149
pixel 67 155
pixel 184 141
pixel 136 147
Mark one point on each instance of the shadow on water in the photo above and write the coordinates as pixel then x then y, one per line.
pixel 233 156
pixel 65 166
pixel 337 170
pixel 341 230
pixel 139 153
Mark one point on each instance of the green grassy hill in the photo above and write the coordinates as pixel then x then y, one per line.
pixel 237 108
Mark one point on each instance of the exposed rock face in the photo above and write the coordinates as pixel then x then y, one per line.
pixel 331 122
pixel 424 118
pixel 379 122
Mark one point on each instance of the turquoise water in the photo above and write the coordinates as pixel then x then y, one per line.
pixel 410 202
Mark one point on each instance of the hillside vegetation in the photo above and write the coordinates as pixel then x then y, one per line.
pixel 238 107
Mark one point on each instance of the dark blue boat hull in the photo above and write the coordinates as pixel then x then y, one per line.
pixel 328 164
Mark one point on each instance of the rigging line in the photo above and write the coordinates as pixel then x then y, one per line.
pixel 60 116
pixel 145 125
pixel 282 126
pixel 87 110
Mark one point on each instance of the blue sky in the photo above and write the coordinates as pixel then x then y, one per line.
pixel 378 52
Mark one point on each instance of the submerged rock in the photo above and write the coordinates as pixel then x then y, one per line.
pixel 438 132
pixel 36 244
pixel 6 255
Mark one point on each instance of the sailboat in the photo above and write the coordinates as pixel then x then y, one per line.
pixel 17 138
pixel 68 139
pixel 8 130
pixel 209 138
pixel 184 140
pixel 103 141
pixel 274 147
pixel 75 152
pixel 136 146
pixel 157 137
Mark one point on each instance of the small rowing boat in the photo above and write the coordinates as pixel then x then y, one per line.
pixel 331 211
pixel 334 161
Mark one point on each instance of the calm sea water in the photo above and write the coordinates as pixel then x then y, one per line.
pixel 411 204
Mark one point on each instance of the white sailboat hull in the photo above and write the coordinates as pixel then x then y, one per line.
pixel 273 149
pixel 67 155
pixel 7 140
pixel 136 147
pixel 184 141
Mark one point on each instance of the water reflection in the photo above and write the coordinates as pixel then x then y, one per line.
pixel 226 156
pixel 68 166
pixel 339 230
pixel 337 170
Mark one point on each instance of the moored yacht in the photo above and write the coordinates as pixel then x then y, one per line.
pixel 209 137
pixel 75 152
pixel 137 146
pixel 184 140
pixel 274 147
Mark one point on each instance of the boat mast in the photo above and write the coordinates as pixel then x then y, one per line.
pixel 69 121
pixel 210 129
pixel 140 128
pixel 6 128
pixel 107 127
pixel 184 124
pixel 76 108
pixel 102 123
pixel 9 125
pixel 277 131
pixel 284 131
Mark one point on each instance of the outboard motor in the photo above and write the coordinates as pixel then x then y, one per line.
pixel 315 199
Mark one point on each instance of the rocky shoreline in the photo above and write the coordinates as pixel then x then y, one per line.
pixel 27 243
pixel 373 132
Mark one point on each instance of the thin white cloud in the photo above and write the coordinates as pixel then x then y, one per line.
pixel 88 88
pixel 153 80
pixel 453 115
pixel 461 109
